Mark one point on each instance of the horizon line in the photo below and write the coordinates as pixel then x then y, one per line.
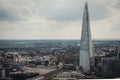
pixel 57 39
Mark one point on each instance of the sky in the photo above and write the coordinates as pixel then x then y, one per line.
pixel 58 19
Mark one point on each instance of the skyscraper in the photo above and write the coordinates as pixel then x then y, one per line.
pixel 86 50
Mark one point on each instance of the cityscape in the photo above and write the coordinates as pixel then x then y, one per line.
pixel 45 59
pixel 57 59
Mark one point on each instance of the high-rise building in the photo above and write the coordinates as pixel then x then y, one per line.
pixel 86 57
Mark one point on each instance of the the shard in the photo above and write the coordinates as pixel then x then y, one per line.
pixel 86 51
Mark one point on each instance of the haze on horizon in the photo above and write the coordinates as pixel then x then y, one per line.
pixel 58 19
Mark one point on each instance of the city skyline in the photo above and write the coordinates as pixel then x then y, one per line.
pixel 58 19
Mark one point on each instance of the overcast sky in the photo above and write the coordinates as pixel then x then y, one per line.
pixel 58 19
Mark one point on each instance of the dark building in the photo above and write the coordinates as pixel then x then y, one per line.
pixel 4 74
pixel 110 67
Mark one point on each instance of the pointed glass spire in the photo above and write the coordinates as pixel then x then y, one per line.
pixel 86 51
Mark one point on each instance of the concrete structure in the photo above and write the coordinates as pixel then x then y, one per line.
pixel 86 50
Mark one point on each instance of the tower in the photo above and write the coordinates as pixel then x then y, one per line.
pixel 86 57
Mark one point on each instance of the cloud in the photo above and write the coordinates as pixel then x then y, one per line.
pixel 116 4
pixel 6 15
pixel 61 10
pixel 57 19
pixel 58 10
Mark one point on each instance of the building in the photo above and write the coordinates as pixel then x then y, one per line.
pixel 4 74
pixel 86 58
pixel 110 67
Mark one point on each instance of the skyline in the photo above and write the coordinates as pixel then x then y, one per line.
pixel 58 19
